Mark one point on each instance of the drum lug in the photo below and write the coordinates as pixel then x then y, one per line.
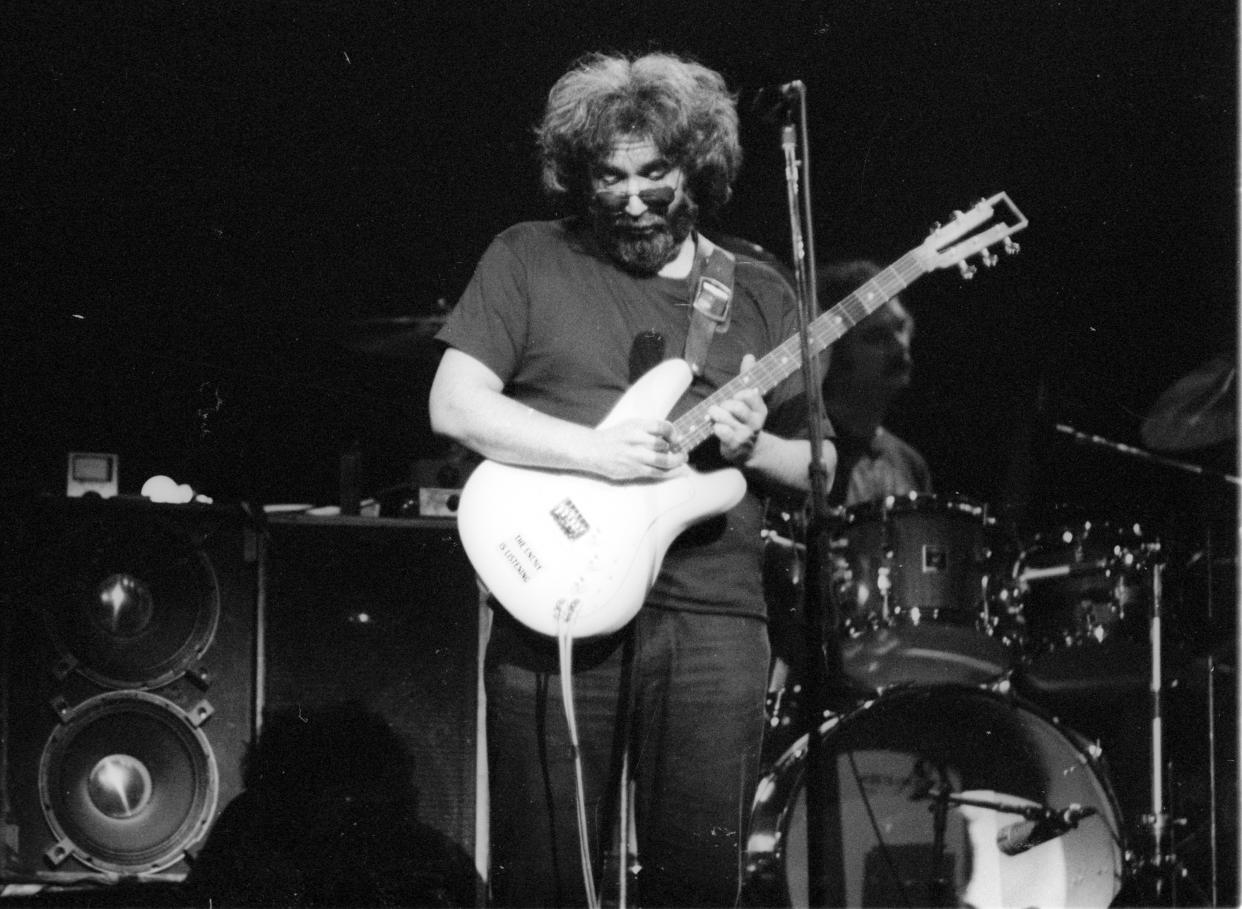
pixel 763 883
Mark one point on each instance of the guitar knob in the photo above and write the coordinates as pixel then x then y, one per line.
pixel 967 270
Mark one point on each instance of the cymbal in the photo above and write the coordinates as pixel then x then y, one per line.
pixel 390 336
pixel 1198 410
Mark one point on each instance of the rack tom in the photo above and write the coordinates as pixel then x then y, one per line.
pixel 912 578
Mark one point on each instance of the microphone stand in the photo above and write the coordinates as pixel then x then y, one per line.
pixel 821 629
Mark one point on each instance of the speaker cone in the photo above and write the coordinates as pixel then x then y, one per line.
pixel 127 783
pixel 130 601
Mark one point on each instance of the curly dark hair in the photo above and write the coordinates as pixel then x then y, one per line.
pixel 682 106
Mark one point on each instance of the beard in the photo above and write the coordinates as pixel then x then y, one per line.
pixel 645 244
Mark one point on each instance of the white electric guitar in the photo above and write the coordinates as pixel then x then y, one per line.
pixel 575 554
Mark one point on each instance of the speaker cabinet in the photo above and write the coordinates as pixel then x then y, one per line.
pixel 128 695
pixel 374 622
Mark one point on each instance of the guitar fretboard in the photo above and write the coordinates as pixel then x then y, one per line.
pixel 694 427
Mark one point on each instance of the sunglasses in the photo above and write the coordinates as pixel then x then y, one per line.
pixel 657 198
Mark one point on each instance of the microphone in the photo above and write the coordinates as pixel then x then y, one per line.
pixel 1017 838
pixel 771 102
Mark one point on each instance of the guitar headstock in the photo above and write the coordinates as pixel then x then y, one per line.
pixel 973 232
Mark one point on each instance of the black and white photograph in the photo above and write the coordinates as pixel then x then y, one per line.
pixel 619 453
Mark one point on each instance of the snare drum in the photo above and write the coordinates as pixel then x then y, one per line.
pixel 888 757
pixel 912 579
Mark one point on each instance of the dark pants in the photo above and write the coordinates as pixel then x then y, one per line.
pixel 696 687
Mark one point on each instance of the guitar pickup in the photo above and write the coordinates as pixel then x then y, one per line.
pixel 569 519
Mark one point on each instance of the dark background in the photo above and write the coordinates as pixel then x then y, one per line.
pixel 227 225
pixel 224 220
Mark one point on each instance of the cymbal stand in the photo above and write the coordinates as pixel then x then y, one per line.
pixel 1161 860
pixel 1211 711
pixel 1084 438
pixel 1158 819
pixel 1210 669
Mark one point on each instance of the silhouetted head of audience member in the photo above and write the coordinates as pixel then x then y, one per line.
pixel 328 818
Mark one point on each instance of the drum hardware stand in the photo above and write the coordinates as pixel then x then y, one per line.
pixel 1088 439
pixel 1158 819
pixel 1162 867
pixel 1210 669
pixel 1211 711
pixel 1165 866
pixel 1160 863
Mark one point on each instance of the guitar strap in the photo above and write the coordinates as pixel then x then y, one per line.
pixel 712 278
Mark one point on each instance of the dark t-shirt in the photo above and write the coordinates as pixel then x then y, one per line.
pixel 556 320
pixel 884 465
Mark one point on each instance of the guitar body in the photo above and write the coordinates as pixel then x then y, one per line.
pixel 574 548
pixel 577 554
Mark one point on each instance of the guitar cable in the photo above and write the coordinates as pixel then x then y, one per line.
pixel 565 646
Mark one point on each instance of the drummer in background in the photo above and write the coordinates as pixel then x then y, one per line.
pixel 867 369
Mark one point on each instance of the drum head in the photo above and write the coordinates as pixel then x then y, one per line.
pixel 887 759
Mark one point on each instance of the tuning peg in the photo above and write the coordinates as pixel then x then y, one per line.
pixel 936 225
pixel 1011 248
pixel 967 270
pixel 988 258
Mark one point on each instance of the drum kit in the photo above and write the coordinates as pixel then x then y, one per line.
pixel 956 778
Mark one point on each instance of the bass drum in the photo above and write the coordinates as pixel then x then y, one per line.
pixel 887 758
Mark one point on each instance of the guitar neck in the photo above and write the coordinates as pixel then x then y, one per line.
pixel 694 427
